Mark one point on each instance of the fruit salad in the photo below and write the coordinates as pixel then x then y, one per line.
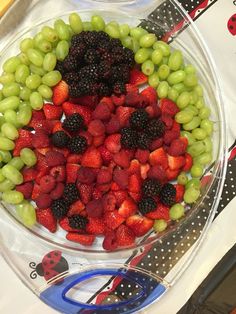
pixel 104 132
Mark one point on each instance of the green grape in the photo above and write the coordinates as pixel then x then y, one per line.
pixel 112 30
pixel 26 44
pixel 6 185
pixel 135 45
pixel 22 72
pixel 51 78
pixel 37 39
pixel 206 124
pixel 28 157
pixel 24 58
pixel 11 102
pixel 2 178
pixel 203 159
pixel 12 197
pixel 173 94
pixel 183 116
pixel 75 23
pixel 62 30
pixel 175 60
pixel 12 174
pixel 192 109
pixel 127 42
pixel 62 50
pixel 162 89
pixel 35 57
pixel 191 195
pixel 193 124
pixel 163 46
pixel 24 115
pixel 25 93
pixel 11 117
pixel 45 91
pixel 189 69
pixel 199 90
pixel 208 144
pixel 49 34
pixel 179 87
pixel 36 101
pixel 200 103
pixel 204 113
pixel 191 80
pixel 26 212
pixel 160 225
pixel 176 211
pixel 199 134
pixel 11 89
pixel 157 56
pixel 37 70
pixel 87 26
pixel 163 72
pixel 16 162
pixel 1 95
pixel 33 81
pixel 137 32
pixel 193 183
pixel 153 80
pixel 183 100
pixel 196 148
pixel 2 120
pixel 196 171
pixel 182 178
pixel 141 55
pixel 7 78
pixel 10 131
pixel 147 40
pixel 147 67
pixel 176 77
pixel 49 62
pixel 10 65
pixel 45 46
pixel 193 97
pixel 98 23
pixel 5 156
pixel 124 30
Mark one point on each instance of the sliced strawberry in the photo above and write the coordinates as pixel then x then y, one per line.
pixel 74 158
pixel 188 162
pixel 118 100
pixel 169 136
pixel 135 196
pixel 105 154
pixel 52 112
pixel 179 193
pixel 89 101
pixel 134 167
pixel 122 159
pixel 60 93
pixel 142 155
pixel 127 208
pixel 97 194
pixel 167 120
pixel 139 225
pixel 86 192
pixel 178 147
pixel 113 219
pixel 71 172
pixel 58 173
pixel 40 139
pixel 172 174
pixel 64 224
pixel 109 202
pixel 109 243
pixel 157 143
pixel 84 239
pixel 29 174
pixel 159 157
pixel 70 108
pixel 168 107
pixel 150 95
pixel 57 127
pixel 131 88
pixel 144 171
pixel 58 191
pixel 98 140
pixel 91 158
pixel 157 172
pixel 102 111
pixel 26 189
pixel 112 143
pixel 46 219
pixel 76 208
pixel 94 208
pixel 137 77
pixel 175 163
pixel 161 212
pixel 88 137
pixel 123 114
pixel 95 226
pixel 104 176
pixel 176 127
pixel 63 151
pixel 24 140
pixel 44 150
pixel 125 236
pixel 113 125
pixel 36 191
pixel 38 115
pixel 86 175
pixel 120 196
pixel 135 183
pixel 121 177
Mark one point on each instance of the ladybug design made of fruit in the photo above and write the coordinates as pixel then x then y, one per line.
pixel 232 24
pixel 52 265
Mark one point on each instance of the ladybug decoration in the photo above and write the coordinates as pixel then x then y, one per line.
pixel 232 24
pixel 52 265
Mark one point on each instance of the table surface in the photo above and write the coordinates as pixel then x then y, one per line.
pixel 222 230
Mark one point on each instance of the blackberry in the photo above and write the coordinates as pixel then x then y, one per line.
pixel 143 141
pixel 103 36
pixel 92 56
pixel 78 51
pixel 77 144
pixel 73 123
pixel 107 56
pixel 71 77
pixel 59 208
pixel 128 138
pixel 71 194
pixel 77 39
pixel 119 88
pixel 104 70
pixel 120 73
pixel 70 63
pixel 78 222
pixel 147 205
pixel 74 89
pixel 139 119
pixel 128 57
pixel 86 87
pixel 168 194
pixel 151 187
pixel 60 67
pixel 155 128
pixel 104 46
pixel 90 38
pixel 104 90
pixel 89 72
pixel 60 139
pixel 115 42
pixel 118 55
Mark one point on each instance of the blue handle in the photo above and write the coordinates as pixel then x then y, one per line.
pixel 149 291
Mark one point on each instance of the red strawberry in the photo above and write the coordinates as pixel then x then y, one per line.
pixel 135 196
pixel 113 219
pixel 57 127
pixel 159 157
pixel 139 225
pixel 88 101
pixel 104 176
pixel 157 172
pixel 85 191
pixel 123 114
pixel 70 108
pixel 169 136
pixel 107 101
pixel 86 175
pixel 94 208
pixel 24 140
pixel 74 158
pixel 188 162
pixel 177 147
pixel 57 192
pixel 137 77
pixel 115 186
pixel 121 177
pixel 54 158
pixel 91 158
pixel 179 193
pixel 176 127
pixel 156 143
pixel 134 99
pixel 43 201
pixel 84 239
pixel 52 112
pixel 109 243
pixel 153 110
pixel 29 174
pixel 161 212
pixel 71 172
pixel 44 150
pixel 46 219
pixel 26 189
pixel 172 174
pixel 124 236
pixel 47 184
pixel 122 159
pixel 38 115
pixel 105 154
pixel 168 107
pixel 144 171
pixel 108 202
pixel 88 137
pixel 35 192
pixel 105 187
pixel 118 100
pixel 134 183
pixel 76 208
pixel 150 95
pixel 63 151
pixel 96 128
pixel 40 139
pixel 134 167
pixel 120 196
pixel 58 173
pixel 142 155
pixel 95 226
pixel 131 88
pixel 102 111
pixel 98 140
pixel 167 120
pixel 64 224
pixel 112 143
pixel 60 93
pixel 97 194
pixel 127 208
pixel 175 163
pixel 113 126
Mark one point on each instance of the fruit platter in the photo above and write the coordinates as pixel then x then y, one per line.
pixel 107 133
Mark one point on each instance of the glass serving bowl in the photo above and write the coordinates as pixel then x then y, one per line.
pixel 195 52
